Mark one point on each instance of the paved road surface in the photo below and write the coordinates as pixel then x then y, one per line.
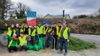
pixel 52 52
pixel 88 38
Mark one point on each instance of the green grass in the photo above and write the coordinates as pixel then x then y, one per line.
pixel 78 44
pixel 90 24
pixel 96 19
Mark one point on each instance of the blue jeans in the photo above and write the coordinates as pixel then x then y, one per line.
pixel 63 41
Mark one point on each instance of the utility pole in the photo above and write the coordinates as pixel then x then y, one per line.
pixel 63 16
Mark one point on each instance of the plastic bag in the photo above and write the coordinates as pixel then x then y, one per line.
pixel 36 47
pixel 41 42
pixel 30 47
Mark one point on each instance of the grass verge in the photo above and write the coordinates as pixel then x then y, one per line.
pixel 78 44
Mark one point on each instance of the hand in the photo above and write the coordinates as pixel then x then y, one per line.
pixel 68 40
pixel 58 38
pixel 5 33
pixel 27 36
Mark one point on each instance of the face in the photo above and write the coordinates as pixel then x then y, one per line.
pixel 46 24
pixel 54 24
pixel 32 27
pixel 22 26
pixel 12 26
pixel 24 23
pixel 64 24
pixel 14 36
pixel 59 24
pixel 39 24
pixel 17 25
pixel 21 35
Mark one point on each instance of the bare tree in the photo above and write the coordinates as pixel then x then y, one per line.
pixel 22 8
pixel 5 6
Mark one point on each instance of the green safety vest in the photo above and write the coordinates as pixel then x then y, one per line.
pixel 22 40
pixel 58 33
pixel 11 43
pixel 40 30
pixel 44 31
pixel 33 33
pixel 65 35
pixel 10 31
pixel 22 30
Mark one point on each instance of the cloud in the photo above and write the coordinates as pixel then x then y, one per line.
pixel 71 7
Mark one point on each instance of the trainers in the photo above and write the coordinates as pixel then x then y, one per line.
pixel 65 53
pixel 56 48
pixel 9 51
pixel 52 47
pixel 60 52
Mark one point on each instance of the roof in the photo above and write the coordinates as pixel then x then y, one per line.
pixel 59 16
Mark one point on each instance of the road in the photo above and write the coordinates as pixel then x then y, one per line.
pixel 52 52
pixel 89 38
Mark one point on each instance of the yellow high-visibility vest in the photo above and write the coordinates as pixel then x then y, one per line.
pixel 51 30
pixel 29 31
pixel 24 25
pixel 22 40
pixel 33 33
pixel 11 43
pixel 22 30
pixel 57 30
pixel 44 31
pixel 65 33
pixel 10 31
pixel 40 30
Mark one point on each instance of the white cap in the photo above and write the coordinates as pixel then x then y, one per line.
pixel 14 34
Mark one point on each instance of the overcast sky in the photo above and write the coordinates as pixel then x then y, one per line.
pixel 55 7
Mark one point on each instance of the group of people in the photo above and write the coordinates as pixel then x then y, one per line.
pixel 18 36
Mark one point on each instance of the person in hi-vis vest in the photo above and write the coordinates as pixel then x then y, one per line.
pixel 49 34
pixel 40 30
pixel 10 31
pixel 23 41
pixel 44 29
pixel 64 36
pixel 12 43
pixel 32 32
pixel 54 27
pixel 22 29
pixel 24 24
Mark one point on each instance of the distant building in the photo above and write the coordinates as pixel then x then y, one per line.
pixel 48 16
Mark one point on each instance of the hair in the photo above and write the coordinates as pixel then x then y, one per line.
pixel 54 23
pixel 59 22
pixel 24 22
pixel 66 23
pixel 21 32
pixel 49 26
pixel 39 23
pixel 33 26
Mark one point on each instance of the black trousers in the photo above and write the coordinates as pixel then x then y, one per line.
pixel 56 41
pixel 40 35
pixel 12 48
pixel 32 40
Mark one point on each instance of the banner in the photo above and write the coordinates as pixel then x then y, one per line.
pixel 31 18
